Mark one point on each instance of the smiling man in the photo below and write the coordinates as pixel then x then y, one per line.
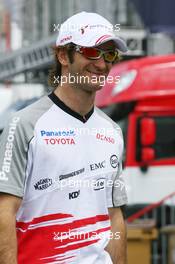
pixel 87 75
pixel 61 160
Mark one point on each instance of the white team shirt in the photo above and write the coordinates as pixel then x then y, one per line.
pixel 67 169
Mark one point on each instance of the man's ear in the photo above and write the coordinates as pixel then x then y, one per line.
pixel 62 56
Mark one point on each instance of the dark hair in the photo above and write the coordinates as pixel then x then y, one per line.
pixel 55 71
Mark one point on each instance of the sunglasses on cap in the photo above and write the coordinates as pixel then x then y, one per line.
pixel 109 56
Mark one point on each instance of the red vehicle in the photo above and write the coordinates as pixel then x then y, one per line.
pixel 143 104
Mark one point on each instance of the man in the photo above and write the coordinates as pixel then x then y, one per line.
pixel 60 184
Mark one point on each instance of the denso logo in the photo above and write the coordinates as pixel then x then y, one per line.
pixel 99 184
pixel 99 165
pixel 59 133
pixel 105 138
pixel 43 184
pixel 62 141
pixel 74 195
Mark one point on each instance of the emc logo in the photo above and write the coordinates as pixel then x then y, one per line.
pixel 99 165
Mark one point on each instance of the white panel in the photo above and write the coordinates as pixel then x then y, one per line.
pixel 149 187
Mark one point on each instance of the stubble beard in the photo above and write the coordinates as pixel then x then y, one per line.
pixel 83 82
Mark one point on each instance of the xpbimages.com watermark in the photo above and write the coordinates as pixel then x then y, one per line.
pixel 82 235
pixel 81 79
pixel 63 182
pixel 83 28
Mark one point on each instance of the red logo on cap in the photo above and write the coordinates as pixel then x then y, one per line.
pixel 83 29
pixel 65 39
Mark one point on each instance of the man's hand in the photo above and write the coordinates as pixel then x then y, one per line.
pixel 117 246
pixel 9 205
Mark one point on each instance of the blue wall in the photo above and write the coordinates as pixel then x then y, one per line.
pixel 157 15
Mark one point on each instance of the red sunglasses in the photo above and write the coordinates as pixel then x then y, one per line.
pixel 95 53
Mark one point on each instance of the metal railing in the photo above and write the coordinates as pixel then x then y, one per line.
pixel 38 55
pixel 163 212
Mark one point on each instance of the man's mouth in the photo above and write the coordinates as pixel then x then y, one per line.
pixel 97 73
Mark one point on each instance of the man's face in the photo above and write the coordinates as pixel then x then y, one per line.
pixel 90 74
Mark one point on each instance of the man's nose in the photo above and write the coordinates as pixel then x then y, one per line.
pixel 100 63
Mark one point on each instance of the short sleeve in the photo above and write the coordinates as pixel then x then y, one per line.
pixel 14 143
pixel 119 195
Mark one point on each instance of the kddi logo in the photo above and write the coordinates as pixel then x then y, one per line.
pixel 114 161
pixel 74 195
pixel 99 165
pixel 8 153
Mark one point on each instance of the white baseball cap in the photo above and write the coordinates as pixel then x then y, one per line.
pixel 88 30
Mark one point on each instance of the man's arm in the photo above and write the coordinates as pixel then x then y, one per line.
pixel 117 246
pixel 9 205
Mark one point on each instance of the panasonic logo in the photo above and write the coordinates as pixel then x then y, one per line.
pixel 8 150
pixel 61 133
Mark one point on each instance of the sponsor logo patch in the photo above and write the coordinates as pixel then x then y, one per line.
pixel 82 29
pixel 9 149
pixel 114 161
pixel 99 165
pixel 74 195
pixel 59 141
pixel 67 38
pixel 59 133
pixel 105 138
pixel 60 137
pixel 99 184
pixel 43 184
pixel 71 174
